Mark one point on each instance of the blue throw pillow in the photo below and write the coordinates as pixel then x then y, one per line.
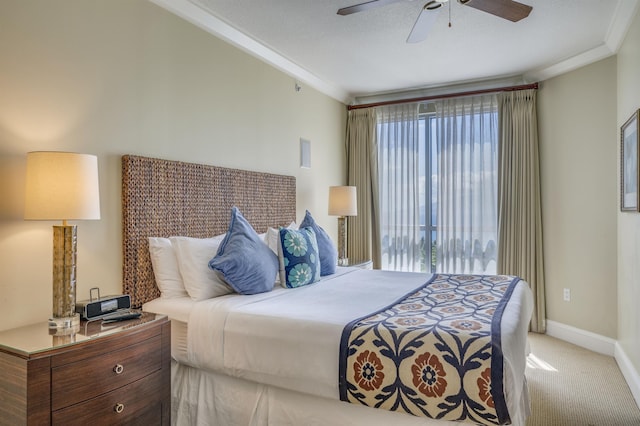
pixel 326 248
pixel 299 260
pixel 245 262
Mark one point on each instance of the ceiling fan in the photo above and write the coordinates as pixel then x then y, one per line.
pixel 506 9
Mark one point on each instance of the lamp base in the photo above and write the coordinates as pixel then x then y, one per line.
pixel 343 262
pixel 63 324
pixel 342 241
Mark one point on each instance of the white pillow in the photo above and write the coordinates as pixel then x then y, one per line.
pixel 272 238
pixel 165 268
pixel 193 256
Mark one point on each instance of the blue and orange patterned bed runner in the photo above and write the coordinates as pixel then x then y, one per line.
pixel 435 353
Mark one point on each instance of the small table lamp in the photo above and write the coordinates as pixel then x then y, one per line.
pixel 62 186
pixel 342 202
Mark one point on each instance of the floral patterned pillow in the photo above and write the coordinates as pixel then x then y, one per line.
pixel 298 255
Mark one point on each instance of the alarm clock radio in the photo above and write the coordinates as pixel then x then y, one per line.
pixel 96 308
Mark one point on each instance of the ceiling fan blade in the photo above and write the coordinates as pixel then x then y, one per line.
pixel 427 17
pixel 365 6
pixel 507 9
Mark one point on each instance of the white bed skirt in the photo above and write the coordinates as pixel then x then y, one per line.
pixel 201 398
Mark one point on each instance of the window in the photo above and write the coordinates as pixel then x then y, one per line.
pixel 438 185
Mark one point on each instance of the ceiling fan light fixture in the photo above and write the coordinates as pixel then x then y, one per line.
pixel 433 5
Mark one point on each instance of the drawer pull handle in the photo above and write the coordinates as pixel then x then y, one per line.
pixel 119 408
pixel 118 369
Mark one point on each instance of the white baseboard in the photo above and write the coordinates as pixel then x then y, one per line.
pixel 629 372
pixel 600 344
pixel 586 339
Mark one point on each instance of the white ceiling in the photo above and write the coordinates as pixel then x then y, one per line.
pixel 365 54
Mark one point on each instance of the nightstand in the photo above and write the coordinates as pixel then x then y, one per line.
pixel 117 373
pixel 362 264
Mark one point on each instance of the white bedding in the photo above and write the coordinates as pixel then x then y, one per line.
pixel 289 338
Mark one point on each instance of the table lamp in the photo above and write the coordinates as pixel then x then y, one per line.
pixel 62 186
pixel 342 202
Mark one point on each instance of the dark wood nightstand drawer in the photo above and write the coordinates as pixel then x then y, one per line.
pixel 139 403
pixel 78 381
pixel 48 380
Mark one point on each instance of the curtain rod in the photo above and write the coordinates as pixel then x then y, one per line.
pixel 445 96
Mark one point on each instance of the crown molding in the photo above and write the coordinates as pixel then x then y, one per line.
pixel 623 16
pixel 205 20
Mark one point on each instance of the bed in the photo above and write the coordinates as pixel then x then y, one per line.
pixel 290 356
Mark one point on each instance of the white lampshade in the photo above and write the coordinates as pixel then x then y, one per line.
pixel 343 201
pixel 61 186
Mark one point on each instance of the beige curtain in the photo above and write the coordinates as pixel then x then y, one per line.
pixel 363 235
pixel 519 209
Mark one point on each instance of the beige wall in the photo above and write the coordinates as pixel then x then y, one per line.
pixel 629 223
pixel 110 77
pixel 577 122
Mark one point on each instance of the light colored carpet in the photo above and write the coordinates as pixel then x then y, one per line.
pixel 570 386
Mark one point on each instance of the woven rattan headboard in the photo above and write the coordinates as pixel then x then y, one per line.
pixel 162 198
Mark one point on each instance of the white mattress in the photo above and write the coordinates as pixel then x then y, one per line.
pixel 178 311
pixel 290 338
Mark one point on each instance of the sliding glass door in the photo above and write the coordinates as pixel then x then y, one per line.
pixel 438 186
